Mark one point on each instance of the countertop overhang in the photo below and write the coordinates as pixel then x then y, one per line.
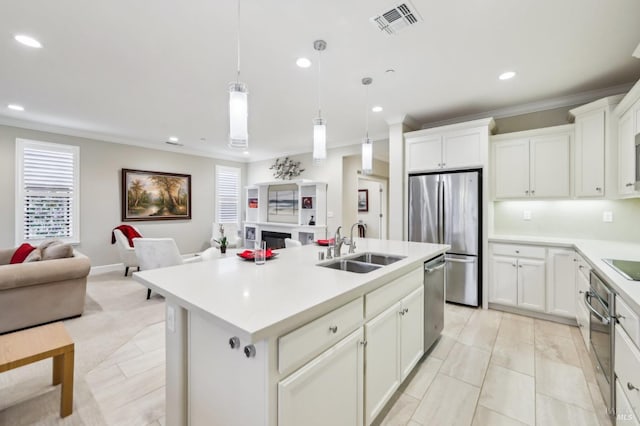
pixel 290 290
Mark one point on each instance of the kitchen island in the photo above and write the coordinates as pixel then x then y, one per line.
pixel 286 342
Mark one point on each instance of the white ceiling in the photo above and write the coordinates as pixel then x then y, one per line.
pixel 141 71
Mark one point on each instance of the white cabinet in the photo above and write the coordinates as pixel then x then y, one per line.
pixel 394 344
pixel 561 282
pixel 454 146
pixel 624 412
pixel 310 396
pixel 627 359
pixel 517 276
pixel 533 164
pixel 626 154
pixel 582 271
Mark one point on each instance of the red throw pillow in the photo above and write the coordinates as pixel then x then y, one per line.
pixel 21 253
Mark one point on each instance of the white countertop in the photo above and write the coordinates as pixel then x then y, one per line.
pixel 286 292
pixel 593 251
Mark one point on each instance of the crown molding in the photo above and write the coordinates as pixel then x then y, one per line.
pixel 403 119
pixel 559 102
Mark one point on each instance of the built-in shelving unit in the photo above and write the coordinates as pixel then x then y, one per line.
pixel 298 208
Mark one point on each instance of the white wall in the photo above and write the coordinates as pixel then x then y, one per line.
pixel 371 218
pixel 100 187
pixel 331 171
pixel 569 218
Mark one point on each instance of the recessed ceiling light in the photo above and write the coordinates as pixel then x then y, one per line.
pixel 28 41
pixel 245 152
pixel 376 108
pixel 303 62
pixel 15 107
pixel 507 75
pixel 173 139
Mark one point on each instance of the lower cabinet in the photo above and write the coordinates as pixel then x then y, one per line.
pixel 394 346
pixel 582 271
pixel 627 359
pixel 518 281
pixel 310 395
pixel 561 279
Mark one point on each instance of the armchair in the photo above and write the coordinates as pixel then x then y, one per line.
pixel 125 251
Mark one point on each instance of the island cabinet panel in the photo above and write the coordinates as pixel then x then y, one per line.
pixel 223 384
pixel 309 340
pixel 380 299
pixel 327 390
pixel 395 343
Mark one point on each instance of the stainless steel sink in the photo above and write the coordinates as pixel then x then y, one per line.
pixel 352 266
pixel 377 259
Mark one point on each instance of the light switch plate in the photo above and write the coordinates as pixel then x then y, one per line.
pixel 526 214
pixel 329 214
pixel 607 216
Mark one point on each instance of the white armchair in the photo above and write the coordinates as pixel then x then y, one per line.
pixel 156 253
pixel 125 251
pixel 231 231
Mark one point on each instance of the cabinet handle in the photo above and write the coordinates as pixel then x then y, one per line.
pixel 234 342
pixel 517 251
pixel 406 310
pixel 629 184
pixel 631 387
pixel 250 351
pixel 526 192
pixel 519 266
pixel 333 329
pixel 363 342
pixel 513 264
pixel 598 189
pixel 533 191
pixel 580 292
pixel 580 267
pixel 444 164
pixel 580 325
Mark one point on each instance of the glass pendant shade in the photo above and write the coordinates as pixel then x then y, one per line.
pixel 238 116
pixel 367 156
pixel 319 139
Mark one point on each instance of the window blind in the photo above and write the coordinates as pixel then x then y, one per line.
pixel 48 191
pixel 228 194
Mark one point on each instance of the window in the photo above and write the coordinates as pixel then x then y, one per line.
pixel 227 194
pixel 47 192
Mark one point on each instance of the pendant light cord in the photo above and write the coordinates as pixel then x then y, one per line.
pixel 366 115
pixel 319 74
pixel 238 39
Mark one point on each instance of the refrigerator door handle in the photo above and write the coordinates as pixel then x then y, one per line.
pixel 452 259
pixel 440 212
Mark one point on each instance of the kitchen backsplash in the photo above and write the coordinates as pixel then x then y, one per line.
pixel 569 218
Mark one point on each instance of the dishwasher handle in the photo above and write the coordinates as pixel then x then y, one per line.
pixel 437 268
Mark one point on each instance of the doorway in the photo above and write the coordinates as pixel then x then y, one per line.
pixel 372 206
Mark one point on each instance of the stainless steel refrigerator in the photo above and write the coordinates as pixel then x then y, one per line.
pixel 444 208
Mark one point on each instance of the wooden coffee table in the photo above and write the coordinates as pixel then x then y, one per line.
pixel 35 344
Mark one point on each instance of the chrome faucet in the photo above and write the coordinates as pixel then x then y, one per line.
pixel 337 243
pixel 352 243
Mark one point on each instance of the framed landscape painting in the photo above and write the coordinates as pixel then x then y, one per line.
pixel 155 196
pixel 363 200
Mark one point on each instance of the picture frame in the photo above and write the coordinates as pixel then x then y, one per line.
pixel 307 202
pixel 151 196
pixel 252 203
pixel 363 200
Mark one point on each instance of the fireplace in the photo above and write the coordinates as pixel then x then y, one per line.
pixel 274 240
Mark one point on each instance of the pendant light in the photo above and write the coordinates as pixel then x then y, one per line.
pixel 238 106
pixel 367 144
pixel 319 123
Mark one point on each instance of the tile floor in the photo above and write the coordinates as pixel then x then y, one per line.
pixel 492 368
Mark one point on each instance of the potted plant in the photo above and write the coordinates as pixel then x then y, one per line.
pixel 222 241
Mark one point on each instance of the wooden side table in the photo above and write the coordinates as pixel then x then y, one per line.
pixel 35 344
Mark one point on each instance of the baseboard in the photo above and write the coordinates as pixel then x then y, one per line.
pixel 534 314
pixel 103 269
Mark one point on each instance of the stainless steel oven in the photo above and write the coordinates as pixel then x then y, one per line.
pixel 600 300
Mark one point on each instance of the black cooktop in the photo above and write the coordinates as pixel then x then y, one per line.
pixel 627 268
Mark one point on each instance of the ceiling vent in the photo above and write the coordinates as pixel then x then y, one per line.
pixel 398 18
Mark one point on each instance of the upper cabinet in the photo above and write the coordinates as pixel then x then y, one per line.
pixel 455 146
pixel 533 164
pixel 628 113
pixel 594 147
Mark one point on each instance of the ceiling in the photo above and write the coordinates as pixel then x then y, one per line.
pixel 141 71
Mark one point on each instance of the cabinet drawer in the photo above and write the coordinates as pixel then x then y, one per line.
pixel 380 299
pixel 626 366
pixel 624 412
pixel 308 340
pixel 519 250
pixel 628 320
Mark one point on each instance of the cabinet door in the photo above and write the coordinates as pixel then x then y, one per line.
pixel 626 154
pixel 382 376
pixel 412 331
pixel 461 149
pixel 550 166
pixel 327 390
pixel 531 284
pixel 424 154
pixel 589 158
pixel 561 283
pixel 511 168
pixel 504 280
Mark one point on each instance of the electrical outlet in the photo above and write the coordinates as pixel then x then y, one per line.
pixel 607 216
pixel 329 214
pixel 526 214
pixel 171 318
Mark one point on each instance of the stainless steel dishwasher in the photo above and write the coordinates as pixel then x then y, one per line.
pixel 434 292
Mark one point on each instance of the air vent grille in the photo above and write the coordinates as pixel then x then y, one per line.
pixel 399 17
